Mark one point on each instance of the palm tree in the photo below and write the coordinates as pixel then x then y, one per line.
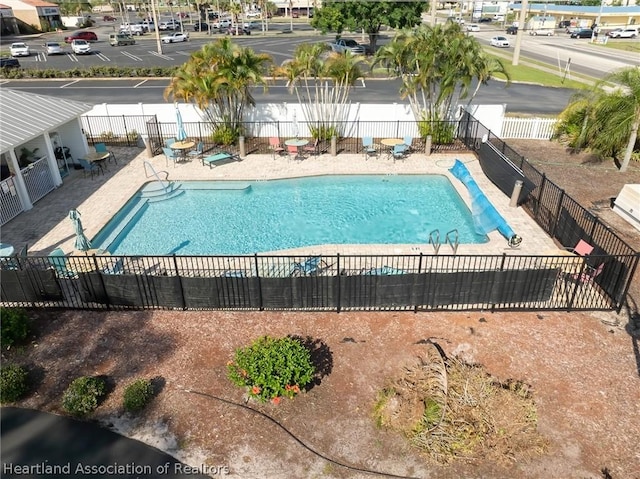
pixel 218 79
pixel 322 81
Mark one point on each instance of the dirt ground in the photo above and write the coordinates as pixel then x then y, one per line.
pixel 583 370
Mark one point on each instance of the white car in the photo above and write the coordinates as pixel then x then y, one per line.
pixel 20 50
pixel 629 32
pixel 80 47
pixel 53 48
pixel 500 42
pixel 251 25
pixel 221 24
pixel 175 37
pixel 254 14
pixel 473 27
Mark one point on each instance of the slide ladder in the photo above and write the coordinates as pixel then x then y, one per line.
pixel 453 242
pixel 434 239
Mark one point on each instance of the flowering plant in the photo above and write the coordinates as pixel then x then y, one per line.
pixel 272 368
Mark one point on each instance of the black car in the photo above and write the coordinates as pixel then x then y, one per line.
pixel 564 24
pixel 9 63
pixel 582 33
pixel 485 20
pixel 201 26
pixel 512 30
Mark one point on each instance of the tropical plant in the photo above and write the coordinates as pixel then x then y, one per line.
pixel 137 395
pixel 218 79
pixel 438 66
pixel 82 395
pixel 605 119
pixel 272 368
pixel 322 81
pixel 367 16
pixel 13 382
pixel 14 326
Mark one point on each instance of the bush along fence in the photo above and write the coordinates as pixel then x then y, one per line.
pixel 413 282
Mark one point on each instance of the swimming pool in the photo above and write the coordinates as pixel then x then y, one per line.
pixel 233 217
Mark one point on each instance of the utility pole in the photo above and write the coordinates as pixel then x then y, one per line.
pixel 154 13
pixel 433 13
pixel 521 23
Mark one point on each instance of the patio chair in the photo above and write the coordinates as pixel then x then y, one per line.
pixel 399 152
pixel 58 260
pixel 310 266
pixel 275 146
pixel 368 147
pixel 294 152
pixel 89 167
pixel 313 148
pixel 408 141
pixel 102 148
pixel 170 154
pixel 169 142
pixel 582 248
pixel 588 275
pixel 198 152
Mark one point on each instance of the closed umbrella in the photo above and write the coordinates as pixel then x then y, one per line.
pixel 181 133
pixel 296 128
pixel 82 242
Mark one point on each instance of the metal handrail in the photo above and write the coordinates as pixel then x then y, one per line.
pixel 454 244
pixel 436 243
pixel 167 188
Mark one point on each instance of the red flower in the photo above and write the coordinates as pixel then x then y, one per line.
pixel 255 390
pixel 295 388
pixel 276 400
pixel 229 363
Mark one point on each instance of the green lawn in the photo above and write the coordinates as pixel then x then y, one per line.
pixel 624 45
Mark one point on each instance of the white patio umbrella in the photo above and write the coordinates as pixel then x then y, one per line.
pixel 82 242
pixel 296 128
pixel 181 133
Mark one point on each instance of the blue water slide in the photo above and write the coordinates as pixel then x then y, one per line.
pixel 485 216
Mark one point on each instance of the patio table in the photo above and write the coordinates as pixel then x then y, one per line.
pixel 98 158
pixel 296 142
pixel 182 147
pixel 6 250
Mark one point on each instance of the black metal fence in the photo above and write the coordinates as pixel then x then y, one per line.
pixel 337 283
pixel 413 282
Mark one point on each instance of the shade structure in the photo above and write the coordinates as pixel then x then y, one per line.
pixel 82 242
pixel 181 133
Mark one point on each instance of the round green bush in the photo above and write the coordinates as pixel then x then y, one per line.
pixel 137 395
pixel 13 383
pixel 272 368
pixel 15 326
pixel 82 395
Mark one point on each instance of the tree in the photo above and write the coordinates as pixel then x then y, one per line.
pixel 322 81
pixel 605 120
pixel 218 79
pixel 367 16
pixel 438 66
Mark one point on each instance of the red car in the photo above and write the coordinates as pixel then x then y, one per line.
pixel 108 18
pixel 88 36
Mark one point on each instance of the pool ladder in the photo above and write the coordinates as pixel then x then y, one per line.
pixel 166 186
pixel 453 242
pixel 434 239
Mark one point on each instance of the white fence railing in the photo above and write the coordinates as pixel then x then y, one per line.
pixel 528 128
pixel 37 179
pixel 9 200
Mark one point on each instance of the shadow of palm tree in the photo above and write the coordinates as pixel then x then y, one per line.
pixel 321 358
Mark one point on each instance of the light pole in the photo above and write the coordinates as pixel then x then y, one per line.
pixel 154 13
pixel 597 26
pixel 521 24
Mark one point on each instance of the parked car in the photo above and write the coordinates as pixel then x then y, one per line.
pixel 582 33
pixel 346 44
pixel 169 25
pixel 253 14
pixel 251 25
pixel 132 29
pixel 628 32
pixel 500 42
pixel 19 49
pixel 175 37
pixel 473 27
pixel 108 18
pixel 238 31
pixel 88 36
pixel 221 24
pixel 200 27
pixel 117 39
pixel 512 30
pixel 485 19
pixel 80 47
pixel 614 33
pixel 9 63
pixel 53 48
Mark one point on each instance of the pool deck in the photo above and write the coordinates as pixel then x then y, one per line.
pixel 47 225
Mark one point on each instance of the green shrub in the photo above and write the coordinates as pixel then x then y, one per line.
pixel 323 132
pixel 272 368
pixel 15 326
pixel 137 395
pixel 225 135
pixel 13 383
pixel 82 395
pixel 442 132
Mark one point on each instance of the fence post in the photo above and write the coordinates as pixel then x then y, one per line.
pixel 427 145
pixel 338 283
pixel 175 265
pixel 334 146
pixel 255 259
pixel 557 215
pixel 241 147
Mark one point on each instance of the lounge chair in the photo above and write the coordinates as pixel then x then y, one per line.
pixel 218 157
pixel 384 271
pixel 58 260
pixel 90 167
pixel 102 148
pixel 310 266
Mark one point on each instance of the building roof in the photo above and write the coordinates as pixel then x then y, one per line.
pixel 39 3
pixel 24 116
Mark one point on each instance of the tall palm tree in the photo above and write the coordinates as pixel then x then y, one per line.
pixel 218 79
pixel 322 81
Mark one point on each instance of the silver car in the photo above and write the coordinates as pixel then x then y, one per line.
pixel 53 48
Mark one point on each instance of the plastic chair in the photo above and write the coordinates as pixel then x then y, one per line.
pixel 170 154
pixel 399 152
pixel 292 151
pixel 313 148
pixel 58 260
pixel 275 146
pixel 169 142
pixel 582 248
pixel 408 140
pixel 102 148
pixel 198 152
pixel 89 167
pixel 369 147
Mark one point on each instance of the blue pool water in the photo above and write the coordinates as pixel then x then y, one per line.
pixel 272 215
